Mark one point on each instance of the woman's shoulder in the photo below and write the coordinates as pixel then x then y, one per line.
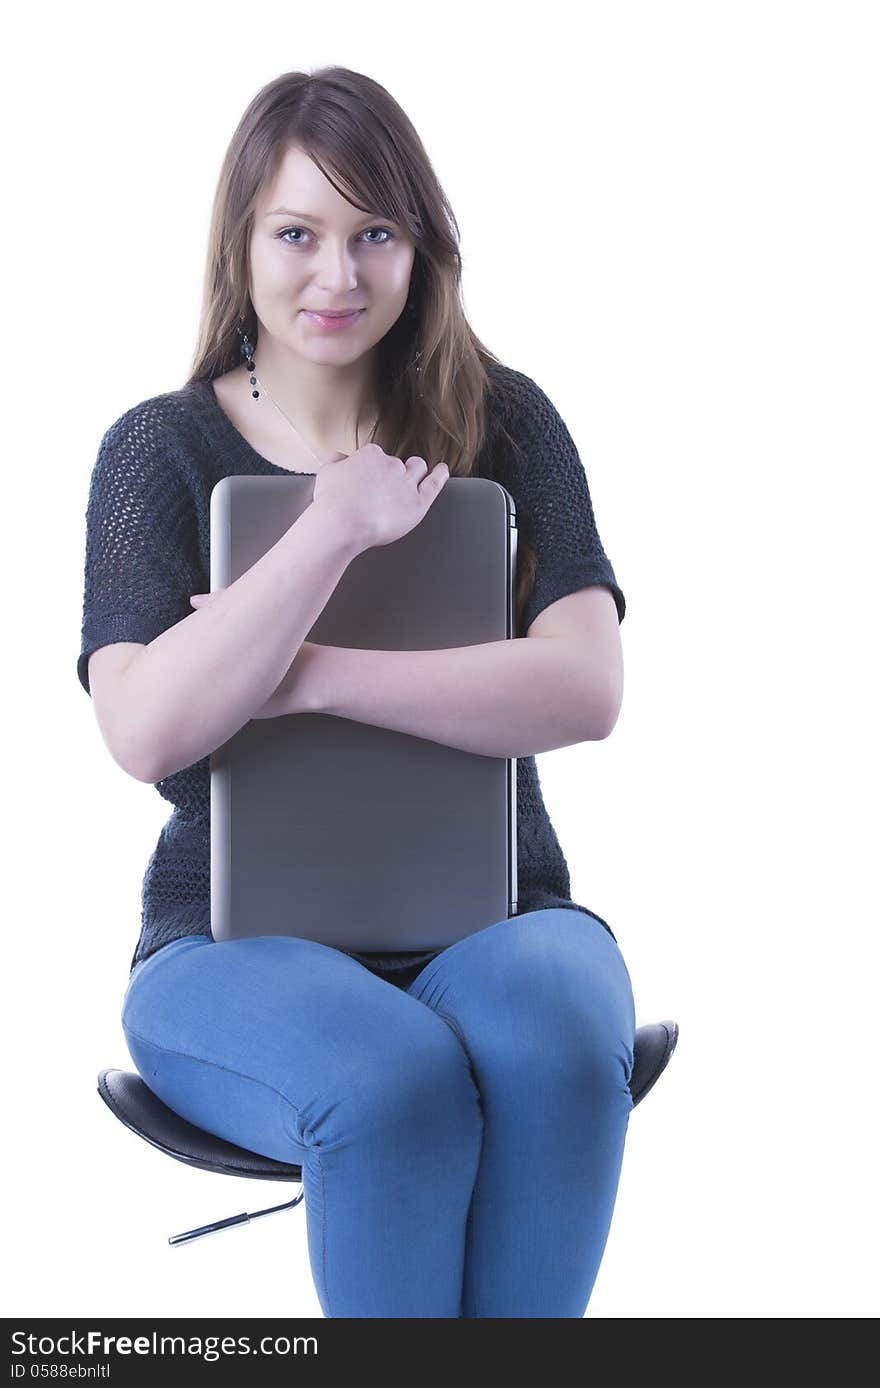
pixel 515 399
pixel 160 437
pixel 152 447
pixel 158 412
pixel 505 382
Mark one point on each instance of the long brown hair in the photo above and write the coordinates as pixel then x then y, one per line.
pixel 434 386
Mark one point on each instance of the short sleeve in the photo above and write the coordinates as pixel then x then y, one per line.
pixel 554 508
pixel 141 560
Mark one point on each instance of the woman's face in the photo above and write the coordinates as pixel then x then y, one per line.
pixel 311 249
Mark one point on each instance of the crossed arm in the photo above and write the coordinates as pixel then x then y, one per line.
pixel 560 684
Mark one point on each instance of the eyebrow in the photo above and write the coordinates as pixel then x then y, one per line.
pixel 319 221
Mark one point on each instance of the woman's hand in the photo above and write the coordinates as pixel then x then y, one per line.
pixel 202 599
pixel 298 690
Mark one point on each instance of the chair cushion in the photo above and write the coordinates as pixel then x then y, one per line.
pixel 135 1104
pixel 653 1048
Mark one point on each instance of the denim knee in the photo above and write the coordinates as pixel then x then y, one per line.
pixel 551 984
pixel 413 1090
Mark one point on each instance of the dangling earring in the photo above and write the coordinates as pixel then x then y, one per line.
pixel 247 352
pixel 412 314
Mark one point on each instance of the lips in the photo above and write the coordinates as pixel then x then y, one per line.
pixel 333 323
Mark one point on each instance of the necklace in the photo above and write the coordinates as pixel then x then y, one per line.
pixel 255 380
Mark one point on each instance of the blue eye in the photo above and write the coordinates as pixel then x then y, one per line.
pixel 287 230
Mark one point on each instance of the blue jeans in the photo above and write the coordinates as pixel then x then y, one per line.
pixel 460 1137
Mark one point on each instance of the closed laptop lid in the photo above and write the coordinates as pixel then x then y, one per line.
pixel 357 836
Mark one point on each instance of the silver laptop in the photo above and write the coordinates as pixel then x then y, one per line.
pixel 342 832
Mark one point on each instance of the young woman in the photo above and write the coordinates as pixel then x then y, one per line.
pixel 460 1116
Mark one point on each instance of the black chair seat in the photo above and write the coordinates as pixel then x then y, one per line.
pixel 135 1104
pixel 128 1096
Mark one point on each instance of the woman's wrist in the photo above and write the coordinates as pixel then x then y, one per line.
pixel 301 688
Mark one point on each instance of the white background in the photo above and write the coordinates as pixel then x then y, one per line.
pixel 669 218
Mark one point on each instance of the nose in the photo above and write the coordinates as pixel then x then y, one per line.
pixel 337 273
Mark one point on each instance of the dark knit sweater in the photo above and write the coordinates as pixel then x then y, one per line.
pixel 147 551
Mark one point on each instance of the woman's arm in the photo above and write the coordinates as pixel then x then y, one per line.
pixel 197 683
pixel 511 698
